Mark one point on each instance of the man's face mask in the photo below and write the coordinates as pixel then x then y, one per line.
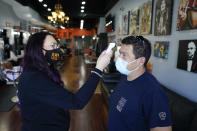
pixel 52 56
pixel 121 66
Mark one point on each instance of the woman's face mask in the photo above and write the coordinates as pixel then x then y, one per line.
pixel 121 66
pixel 52 56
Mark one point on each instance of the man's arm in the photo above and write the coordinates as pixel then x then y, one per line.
pixel 167 128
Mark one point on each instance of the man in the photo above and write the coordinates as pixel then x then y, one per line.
pixel 138 103
pixel 191 58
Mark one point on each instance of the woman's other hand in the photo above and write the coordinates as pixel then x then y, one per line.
pixel 103 60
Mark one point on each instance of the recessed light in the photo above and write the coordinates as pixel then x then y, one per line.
pixel 82 7
pixel 83 2
pixel 49 9
pixel 40 0
pixel 62 27
pixel 45 5
pixel 82 11
pixel 81 24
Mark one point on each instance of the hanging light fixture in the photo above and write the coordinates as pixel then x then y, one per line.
pixel 58 17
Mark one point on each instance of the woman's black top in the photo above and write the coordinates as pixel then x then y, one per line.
pixel 45 104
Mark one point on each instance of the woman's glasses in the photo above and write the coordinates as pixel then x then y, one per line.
pixel 55 45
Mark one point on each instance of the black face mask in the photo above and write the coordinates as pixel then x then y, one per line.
pixel 53 56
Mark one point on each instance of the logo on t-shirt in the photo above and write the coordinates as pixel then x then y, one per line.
pixel 121 104
pixel 162 115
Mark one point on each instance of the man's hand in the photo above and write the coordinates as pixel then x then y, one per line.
pixel 167 128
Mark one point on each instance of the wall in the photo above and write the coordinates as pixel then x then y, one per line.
pixel 101 26
pixel 27 14
pixel 180 81
pixel 7 15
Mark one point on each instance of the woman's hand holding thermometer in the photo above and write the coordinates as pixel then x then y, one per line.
pixel 111 45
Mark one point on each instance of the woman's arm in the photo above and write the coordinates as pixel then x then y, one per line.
pixel 49 93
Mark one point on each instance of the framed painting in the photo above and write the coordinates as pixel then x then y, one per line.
pixel 163 17
pixel 125 24
pixel 187 12
pixel 146 18
pixel 161 49
pixel 134 21
pixel 187 55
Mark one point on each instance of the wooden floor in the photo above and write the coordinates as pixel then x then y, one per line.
pixel 92 118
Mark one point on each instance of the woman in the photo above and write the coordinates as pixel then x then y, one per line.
pixel 44 101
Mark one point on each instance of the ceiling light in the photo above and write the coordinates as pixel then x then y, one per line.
pixel 83 2
pixel 49 9
pixel 62 27
pixel 45 5
pixel 58 17
pixel 81 25
pixel 82 11
pixel 40 0
pixel 82 7
pixel 83 37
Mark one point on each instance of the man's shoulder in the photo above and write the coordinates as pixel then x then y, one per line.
pixel 150 79
pixel 152 83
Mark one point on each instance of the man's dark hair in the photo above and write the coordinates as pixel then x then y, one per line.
pixel 141 46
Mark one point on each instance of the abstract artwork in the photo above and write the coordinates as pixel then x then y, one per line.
pixel 187 56
pixel 161 49
pixel 187 15
pixel 146 18
pixel 163 17
pixel 134 22
pixel 125 24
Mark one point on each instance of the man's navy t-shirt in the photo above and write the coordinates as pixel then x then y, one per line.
pixel 138 105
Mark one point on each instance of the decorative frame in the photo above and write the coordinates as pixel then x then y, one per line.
pixel 163 17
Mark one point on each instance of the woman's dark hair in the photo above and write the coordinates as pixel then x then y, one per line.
pixel 141 46
pixel 35 59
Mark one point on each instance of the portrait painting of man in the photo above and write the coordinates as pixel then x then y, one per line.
pixel 163 17
pixel 187 57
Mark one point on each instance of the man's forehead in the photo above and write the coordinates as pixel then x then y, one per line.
pixel 126 47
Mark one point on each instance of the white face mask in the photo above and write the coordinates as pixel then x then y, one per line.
pixel 121 66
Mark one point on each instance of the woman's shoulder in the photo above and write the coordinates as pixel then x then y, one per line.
pixel 34 79
pixel 32 74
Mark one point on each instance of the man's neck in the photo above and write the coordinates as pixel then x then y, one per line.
pixel 134 75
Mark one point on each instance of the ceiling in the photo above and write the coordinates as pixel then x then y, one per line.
pixel 93 10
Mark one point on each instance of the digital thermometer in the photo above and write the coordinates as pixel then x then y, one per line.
pixel 111 45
